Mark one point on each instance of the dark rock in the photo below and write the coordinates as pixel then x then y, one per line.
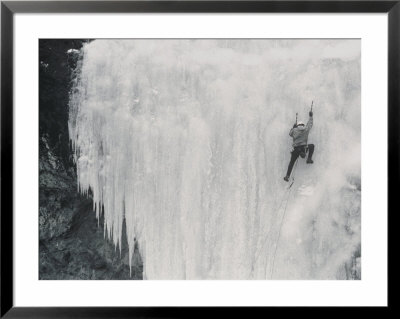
pixel 71 240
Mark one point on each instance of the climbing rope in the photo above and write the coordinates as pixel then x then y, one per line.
pixel 284 198
pixel 281 223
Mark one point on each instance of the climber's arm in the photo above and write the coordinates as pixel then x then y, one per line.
pixel 310 121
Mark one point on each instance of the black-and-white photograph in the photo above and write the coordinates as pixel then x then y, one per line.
pixel 199 159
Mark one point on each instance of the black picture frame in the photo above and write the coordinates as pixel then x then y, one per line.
pixel 9 8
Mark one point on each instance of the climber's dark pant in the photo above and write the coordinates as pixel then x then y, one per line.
pixel 296 153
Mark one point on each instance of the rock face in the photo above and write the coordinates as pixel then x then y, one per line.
pixel 72 244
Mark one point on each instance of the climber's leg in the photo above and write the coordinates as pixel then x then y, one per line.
pixel 293 158
pixel 310 153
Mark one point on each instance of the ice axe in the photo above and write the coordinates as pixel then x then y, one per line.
pixel 312 102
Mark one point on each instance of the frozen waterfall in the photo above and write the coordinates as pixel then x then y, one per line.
pixel 187 140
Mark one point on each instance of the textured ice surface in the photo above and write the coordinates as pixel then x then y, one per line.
pixel 188 141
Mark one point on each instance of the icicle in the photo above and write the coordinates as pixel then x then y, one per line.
pixel 187 141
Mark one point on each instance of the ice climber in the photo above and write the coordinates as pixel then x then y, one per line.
pixel 299 132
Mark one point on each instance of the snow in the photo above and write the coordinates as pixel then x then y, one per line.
pixel 187 140
pixel 306 190
pixel 73 51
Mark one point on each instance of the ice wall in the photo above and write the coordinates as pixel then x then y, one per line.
pixel 188 141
